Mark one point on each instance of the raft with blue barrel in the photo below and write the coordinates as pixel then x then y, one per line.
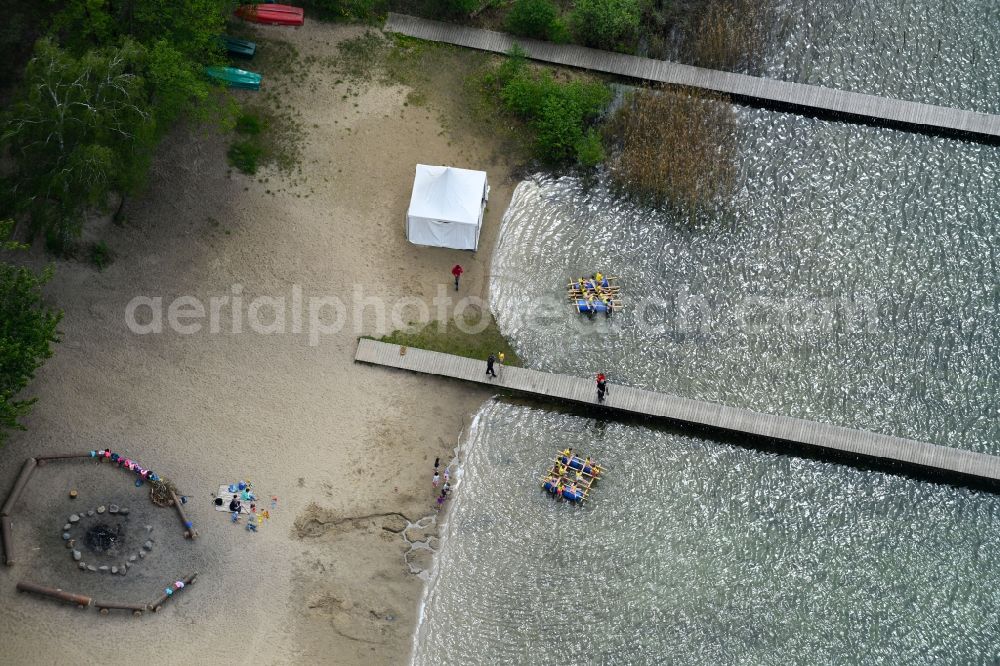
pixel 591 296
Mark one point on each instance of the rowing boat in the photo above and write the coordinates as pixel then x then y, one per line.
pixel 272 14
pixel 234 78
pixel 238 47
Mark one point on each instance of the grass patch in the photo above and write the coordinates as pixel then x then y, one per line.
pixel 416 98
pixel 443 79
pixel 448 338
pixel 361 58
pixel 265 137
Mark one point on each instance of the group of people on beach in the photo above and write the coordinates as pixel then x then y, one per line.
pixel 244 500
pixel 436 480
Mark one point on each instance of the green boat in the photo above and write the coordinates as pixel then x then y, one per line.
pixel 235 78
pixel 238 47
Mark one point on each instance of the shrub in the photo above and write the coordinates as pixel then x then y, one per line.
pixel 27 330
pixel 559 32
pixel 589 150
pixel 533 18
pixel 100 255
pixel 558 112
pixel 246 155
pixel 559 128
pixel 513 67
pixel 249 124
pixel 605 24
pixel 456 8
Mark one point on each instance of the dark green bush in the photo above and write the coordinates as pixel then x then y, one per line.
pixel 590 150
pixel 533 18
pixel 455 8
pixel 100 255
pixel 605 24
pixel 249 124
pixel 27 331
pixel 246 155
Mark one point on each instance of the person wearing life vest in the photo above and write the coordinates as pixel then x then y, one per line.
pixel 602 387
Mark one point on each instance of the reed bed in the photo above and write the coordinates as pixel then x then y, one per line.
pixel 730 35
pixel 674 146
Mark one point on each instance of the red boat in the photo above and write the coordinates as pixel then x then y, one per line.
pixel 272 14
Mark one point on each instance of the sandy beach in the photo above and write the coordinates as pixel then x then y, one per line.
pixel 347 449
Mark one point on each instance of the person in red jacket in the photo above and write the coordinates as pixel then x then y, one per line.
pixel 457 272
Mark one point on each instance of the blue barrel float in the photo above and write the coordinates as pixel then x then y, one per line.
pixel 583 306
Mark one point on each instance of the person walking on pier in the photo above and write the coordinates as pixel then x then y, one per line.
pixel 457 272
pixel 489 365
pixel 602 387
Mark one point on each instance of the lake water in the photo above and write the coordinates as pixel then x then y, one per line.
pixel 853 279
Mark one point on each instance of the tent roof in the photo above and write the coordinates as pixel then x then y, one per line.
pixel 447 194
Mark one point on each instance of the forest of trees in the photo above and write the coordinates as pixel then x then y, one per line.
pixel 104 80
pixel 89 88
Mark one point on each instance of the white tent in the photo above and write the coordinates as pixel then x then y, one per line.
pixel 446 208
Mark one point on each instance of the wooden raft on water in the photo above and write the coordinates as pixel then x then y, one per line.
pixel 598 294
pixel 570 478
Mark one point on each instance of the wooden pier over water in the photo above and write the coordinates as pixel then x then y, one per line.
pixel 967 466
pixel 781 95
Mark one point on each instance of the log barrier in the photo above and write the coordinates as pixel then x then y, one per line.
pixel 22 481
pixel 80 600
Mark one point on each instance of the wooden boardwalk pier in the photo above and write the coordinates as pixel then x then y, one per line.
pixel 968 466
pixel 771 93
